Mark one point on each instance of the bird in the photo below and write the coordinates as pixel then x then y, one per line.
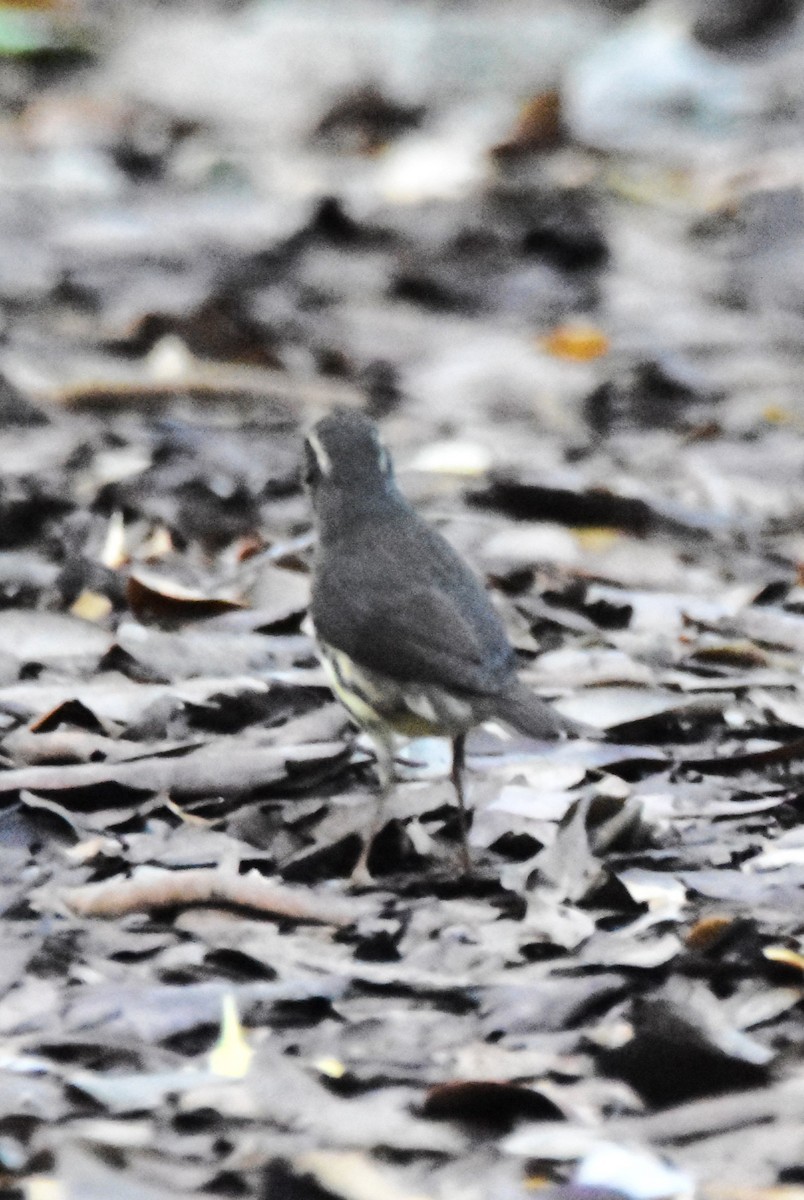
pixel 408 637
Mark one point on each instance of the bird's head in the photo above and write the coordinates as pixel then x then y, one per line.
pixel 343 454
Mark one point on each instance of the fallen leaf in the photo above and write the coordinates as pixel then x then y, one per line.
pixel 539 126
pixel 231 1055
pixel 152 888
pixel 579 343
pixel 489 1102
pixel 785 956
pixel 350 1175
pixel 151 596
pixel 708 932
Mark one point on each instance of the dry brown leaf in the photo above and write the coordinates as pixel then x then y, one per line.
pixel 151 596
pixel 538 127
pixel 706 933
pixel 155 887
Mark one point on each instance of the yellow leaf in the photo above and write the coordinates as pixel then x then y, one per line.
pixel 91 606
pixel 33 4
pixel 781 954
pixel 776 415
pixel 579 343
pixel 331 1067
pixel 231 1055
pixel 595 538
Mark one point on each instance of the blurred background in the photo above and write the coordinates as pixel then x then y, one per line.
pixel 581 219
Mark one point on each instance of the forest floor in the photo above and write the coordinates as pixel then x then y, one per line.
pixel 582 344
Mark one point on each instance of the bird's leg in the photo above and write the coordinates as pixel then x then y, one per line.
pixel 458 763
pixel 384 753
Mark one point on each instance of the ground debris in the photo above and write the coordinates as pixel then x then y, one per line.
pixel 556 254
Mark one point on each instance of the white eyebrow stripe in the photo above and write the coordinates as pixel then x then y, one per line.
pixel 324 460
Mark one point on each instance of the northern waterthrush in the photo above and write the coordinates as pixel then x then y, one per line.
pixel 408 636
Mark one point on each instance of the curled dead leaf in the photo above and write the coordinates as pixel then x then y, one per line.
pixel 539 126
pixel 152 596
pixel 785 956
pixel 151 888
pixel 708 932
pixel 488 1101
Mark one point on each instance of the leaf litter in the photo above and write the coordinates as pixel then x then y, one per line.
pixel 574 353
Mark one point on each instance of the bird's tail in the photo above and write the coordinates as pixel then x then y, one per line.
pixel 525 712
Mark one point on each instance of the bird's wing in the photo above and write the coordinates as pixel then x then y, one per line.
pixel 415 613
